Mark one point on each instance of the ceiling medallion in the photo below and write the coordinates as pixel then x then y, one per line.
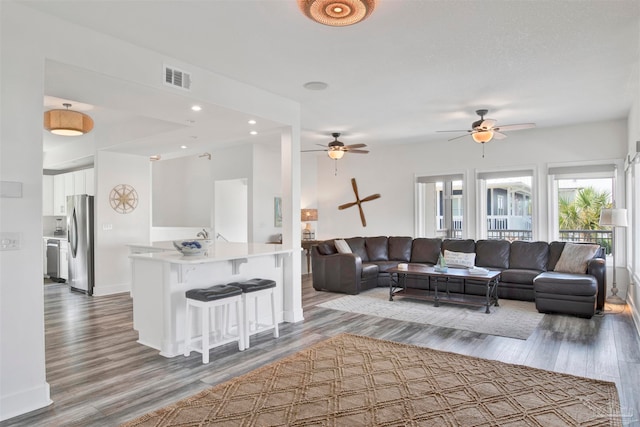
pixel 337 13
pixel 67 122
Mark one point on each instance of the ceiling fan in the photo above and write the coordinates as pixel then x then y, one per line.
pixel 484 130
pixel 336 149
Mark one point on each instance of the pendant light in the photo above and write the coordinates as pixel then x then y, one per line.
pixel 337 13
pixel 67 122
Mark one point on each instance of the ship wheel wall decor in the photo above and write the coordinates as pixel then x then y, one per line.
pixel 359 201
pixel 123 198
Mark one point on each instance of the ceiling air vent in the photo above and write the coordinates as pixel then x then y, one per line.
pixel 177 78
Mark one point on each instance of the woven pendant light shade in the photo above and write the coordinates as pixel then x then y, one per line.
pixel 67 122
pixel 337 13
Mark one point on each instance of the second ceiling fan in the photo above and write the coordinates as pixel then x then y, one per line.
pixel 484 130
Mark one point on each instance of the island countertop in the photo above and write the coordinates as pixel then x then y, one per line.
pixel 218 251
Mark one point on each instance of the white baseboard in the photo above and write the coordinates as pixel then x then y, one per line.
pixel 25 401
pixel 635 313
pixel 99 291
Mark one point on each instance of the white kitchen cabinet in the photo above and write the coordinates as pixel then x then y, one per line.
pixel 47 195
pixel 68 184
pixel 89 181
pixel 63 266
pixel 79 185
pixel 59 195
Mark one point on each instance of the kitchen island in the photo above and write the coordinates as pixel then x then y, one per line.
pixel 161 277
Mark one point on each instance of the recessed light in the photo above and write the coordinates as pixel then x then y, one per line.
pixel 253 132
pixel 196 108
pixel 252 122
pixel 183 146
pixel 315 85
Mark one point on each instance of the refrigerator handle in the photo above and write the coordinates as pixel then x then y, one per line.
pixel 73 234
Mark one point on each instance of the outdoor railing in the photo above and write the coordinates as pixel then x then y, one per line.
pixel 601 237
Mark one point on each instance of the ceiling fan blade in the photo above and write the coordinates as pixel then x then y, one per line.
pixel 349 147
pixel 487 124
pixel 518 126
pixel 498 135
pixel 458 137
pixel 322 145
pixel 347 205
pixel 465 130
pixel 309 151
pixel 357 151
pixel 371 197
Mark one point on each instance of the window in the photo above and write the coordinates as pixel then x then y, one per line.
pixel 440 206
pixel 505 210
pixel 579 193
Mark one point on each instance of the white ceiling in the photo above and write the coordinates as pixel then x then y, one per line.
pixel 413 68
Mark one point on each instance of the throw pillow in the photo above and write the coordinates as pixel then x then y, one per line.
pixel 459 259
pixel 342 246
pixel 574 258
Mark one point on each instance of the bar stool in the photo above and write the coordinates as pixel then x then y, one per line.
pixel 254 289
pixel 223 296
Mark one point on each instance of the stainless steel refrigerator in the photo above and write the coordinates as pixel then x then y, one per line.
pixel 80 235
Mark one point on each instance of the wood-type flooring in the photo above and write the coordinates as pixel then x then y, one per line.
pixel 100 376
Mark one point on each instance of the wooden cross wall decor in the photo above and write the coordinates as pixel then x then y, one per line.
pixel 359 201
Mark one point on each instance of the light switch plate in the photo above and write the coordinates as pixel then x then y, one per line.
pixel 9 241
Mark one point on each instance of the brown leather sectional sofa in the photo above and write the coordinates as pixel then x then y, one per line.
pixel 521 262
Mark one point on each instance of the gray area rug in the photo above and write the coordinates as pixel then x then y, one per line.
pixel 513 319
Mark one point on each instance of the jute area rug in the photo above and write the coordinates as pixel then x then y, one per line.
pixel 350 380
pixel 512 319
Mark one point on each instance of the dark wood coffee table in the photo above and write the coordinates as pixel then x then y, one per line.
pixel 397 285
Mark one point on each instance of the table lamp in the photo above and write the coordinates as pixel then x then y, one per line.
pixel 308 215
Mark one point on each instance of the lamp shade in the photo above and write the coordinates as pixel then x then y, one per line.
pixel 67 122
pixel 308 215
pixel 482 136
pixel 335 154
pixel 614 217
pixel 337 13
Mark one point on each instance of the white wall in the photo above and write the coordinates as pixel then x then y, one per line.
pixel 113 230
pixel 182 192
pixel 391 173
pixel 231 209
pixel 28 39
pixel 267 184
pixel 632 233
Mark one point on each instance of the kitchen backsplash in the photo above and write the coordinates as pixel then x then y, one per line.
pixel 49 224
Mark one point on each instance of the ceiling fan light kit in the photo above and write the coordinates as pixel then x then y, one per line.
pixel 67 122
pixel 484 130
pixel 335 154
pixel 337 13
pixel 482 136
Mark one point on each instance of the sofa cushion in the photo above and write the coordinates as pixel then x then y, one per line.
pixel 384 266
pixel 357 246
pixel 426 250
pixel 342 246
pixel 518 276
pixel 529 255
pixel 574 258
pixel 459 245
pixel 555 250
pixel 377 248
pixel 459 259
pixel 565 284
pixel 400 248
pixel 327 247
pixel 493 253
